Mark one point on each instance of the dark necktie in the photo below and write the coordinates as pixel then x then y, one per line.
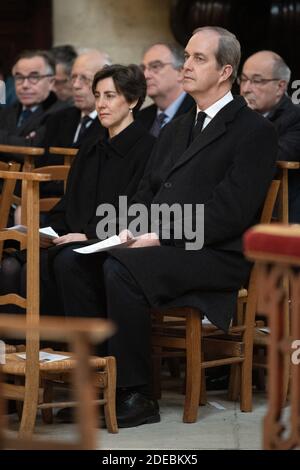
pixel 84 121
pixel 25 114
pixel 199 124
pixel 157 124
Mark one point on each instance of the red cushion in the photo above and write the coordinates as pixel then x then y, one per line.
pixel 275 239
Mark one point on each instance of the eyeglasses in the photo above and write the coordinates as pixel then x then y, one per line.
pixel 154 66
pixel 32 78
pixel 255 81
pixel 82 78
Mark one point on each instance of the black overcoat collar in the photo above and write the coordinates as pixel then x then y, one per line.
pixel 216 128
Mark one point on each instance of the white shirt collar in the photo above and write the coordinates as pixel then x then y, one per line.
pixel 92 115
pixel 32 108
pixel 212 110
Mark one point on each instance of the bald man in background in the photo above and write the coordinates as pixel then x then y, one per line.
pixel 263 83
pixel 72 126
pixel 77 124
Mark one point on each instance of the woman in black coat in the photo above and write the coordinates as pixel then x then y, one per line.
pixel 100 173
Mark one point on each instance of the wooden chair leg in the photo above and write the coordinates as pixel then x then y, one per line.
pixel 156 372
pixel 203 397
pixel 30 406
pixel 234 382
pixel 286 380
pixel 109 394
pixel 260 371
pixel 47 413
pixel 19 380
pixel 246 386
pixel 193 366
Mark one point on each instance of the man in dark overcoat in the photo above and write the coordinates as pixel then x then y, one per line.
pixel 223 157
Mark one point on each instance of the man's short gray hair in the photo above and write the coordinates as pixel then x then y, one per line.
pixel 229 49
pixel 280 69
pixel 177 53
pixel 86 50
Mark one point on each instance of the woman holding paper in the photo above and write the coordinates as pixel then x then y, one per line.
pixel 101 172
pixel 112 167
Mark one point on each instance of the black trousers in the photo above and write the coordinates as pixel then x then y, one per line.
pixel 100 286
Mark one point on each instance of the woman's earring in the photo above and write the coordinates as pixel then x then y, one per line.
pixel 130 110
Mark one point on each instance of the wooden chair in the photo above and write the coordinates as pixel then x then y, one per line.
pixel 6 196
pixel 57 172
pixel 67 153
pixel 276 251
pixel 180 332
pixel 261 338
pixel 32 396
pixel 82 332
pixel 284 169
pixel 29 155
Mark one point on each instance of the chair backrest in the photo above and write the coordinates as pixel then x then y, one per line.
pixel 7 192
pixel 56 173
pixel 6 197
pixel 284 168
pixel 67 153
pixel 29 154
pixel 269 204
pixel 31 238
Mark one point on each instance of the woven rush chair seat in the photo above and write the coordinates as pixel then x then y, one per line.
pixel 15 365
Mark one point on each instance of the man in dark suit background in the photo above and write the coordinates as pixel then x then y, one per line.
pixel 23 123
pixel 224 158
pixel 263 83
pixel 64 57
pixel 162 65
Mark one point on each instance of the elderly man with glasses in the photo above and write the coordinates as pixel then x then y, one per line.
pixel 162 66
pixel 24 122
pixel 263 83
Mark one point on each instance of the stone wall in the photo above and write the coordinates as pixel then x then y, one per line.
pixel 123 28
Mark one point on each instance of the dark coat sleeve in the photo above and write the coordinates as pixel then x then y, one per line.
pixel 289 139
pixel 235 201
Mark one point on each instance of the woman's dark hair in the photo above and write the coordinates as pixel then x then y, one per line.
pixel 129 81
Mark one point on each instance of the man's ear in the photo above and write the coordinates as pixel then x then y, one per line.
pixel 282 87
pixel 180 75
pixel 226 73
pixel 51 83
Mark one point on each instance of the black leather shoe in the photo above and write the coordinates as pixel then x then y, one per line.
pixel 134 409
